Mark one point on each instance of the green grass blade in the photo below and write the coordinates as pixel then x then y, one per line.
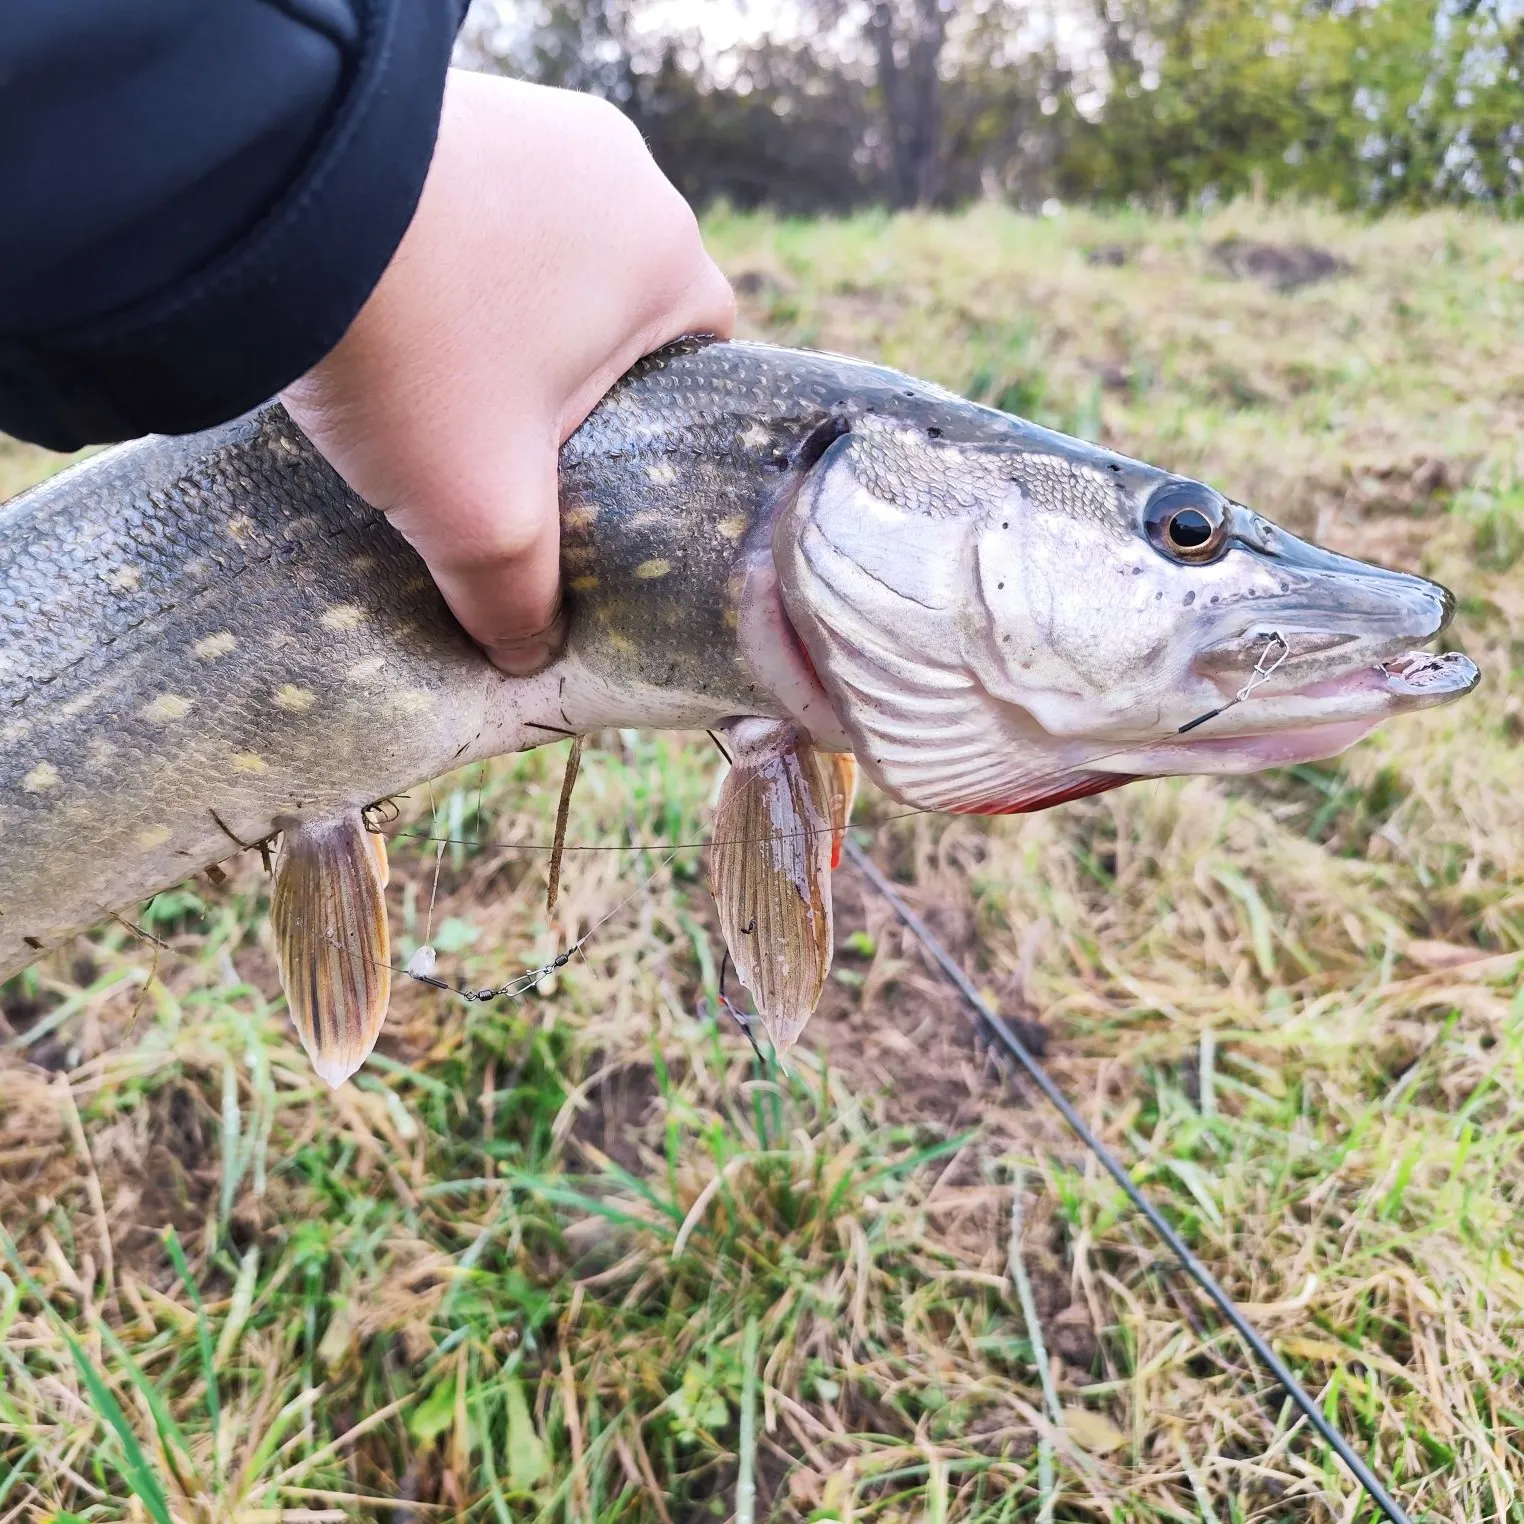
pixel 164 1420
pixel 746 1470
pixel 203 1332
pixel 134 1468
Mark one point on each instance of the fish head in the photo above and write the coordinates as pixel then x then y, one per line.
pixel 1004 624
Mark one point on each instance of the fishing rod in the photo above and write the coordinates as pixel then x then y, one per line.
pixel 1192 1266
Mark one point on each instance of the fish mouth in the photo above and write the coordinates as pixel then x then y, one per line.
pixel 1308 723
pixel 1414 680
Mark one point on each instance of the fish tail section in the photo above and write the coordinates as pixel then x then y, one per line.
pixel 328 913
pixel 782 811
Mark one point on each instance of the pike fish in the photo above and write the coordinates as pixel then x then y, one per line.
pixel 209 641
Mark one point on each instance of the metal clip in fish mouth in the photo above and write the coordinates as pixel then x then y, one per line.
pixel 1227 657
pixel 1271 658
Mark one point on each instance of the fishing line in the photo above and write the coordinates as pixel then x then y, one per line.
pixel 1193 1267
pixel 657 846
pixel 420 967
pixel 735 1013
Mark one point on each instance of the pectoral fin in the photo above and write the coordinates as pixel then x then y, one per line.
pixel 782 812
pixel 838 778
pixel 329 918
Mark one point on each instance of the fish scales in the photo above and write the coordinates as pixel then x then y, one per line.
pixel 200 634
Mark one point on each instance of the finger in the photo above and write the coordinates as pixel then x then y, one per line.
pixel 685 290
pixel 498 564
pixel 709 304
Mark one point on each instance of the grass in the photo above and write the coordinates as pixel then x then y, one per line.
pixel 581 1257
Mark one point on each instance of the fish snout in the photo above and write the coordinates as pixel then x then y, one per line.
pixel 1329 613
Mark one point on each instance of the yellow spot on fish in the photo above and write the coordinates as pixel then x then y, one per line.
pixel 363 564
pixel 583 516
pixel 344 616
pixel 249 763
pixel 622 644
pixel 168 706
pixel 295 700
pixel 732 528
pixel 647 570
pixel 125 578
pixel 239 527
pixel 584 584
pixel 154 836
pixel 366 671
pixel 99 752
pixel 280 639
pixel 662 472
pixel 412 701
pixel 732 619
pixel 41 778
pixel 210 647
pixel 756 437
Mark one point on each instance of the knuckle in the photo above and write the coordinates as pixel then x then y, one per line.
pixel 472 534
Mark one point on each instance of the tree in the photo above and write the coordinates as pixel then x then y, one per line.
pixel 907 38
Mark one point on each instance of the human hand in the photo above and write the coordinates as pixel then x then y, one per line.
pixel 548 253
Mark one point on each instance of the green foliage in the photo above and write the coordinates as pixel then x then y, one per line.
pixel 1402 102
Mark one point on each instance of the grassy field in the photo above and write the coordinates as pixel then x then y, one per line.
pixel 582 1257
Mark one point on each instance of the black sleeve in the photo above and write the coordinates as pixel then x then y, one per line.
pixel 197 196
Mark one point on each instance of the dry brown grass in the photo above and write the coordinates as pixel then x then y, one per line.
pixel 507 1273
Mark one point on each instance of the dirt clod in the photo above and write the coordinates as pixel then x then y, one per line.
pixel 1282 267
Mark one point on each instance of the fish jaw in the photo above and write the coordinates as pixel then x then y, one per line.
pixel 1317 721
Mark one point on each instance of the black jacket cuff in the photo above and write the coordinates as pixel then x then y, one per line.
pixel 267 308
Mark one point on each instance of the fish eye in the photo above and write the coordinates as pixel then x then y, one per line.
pixel 1185 521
